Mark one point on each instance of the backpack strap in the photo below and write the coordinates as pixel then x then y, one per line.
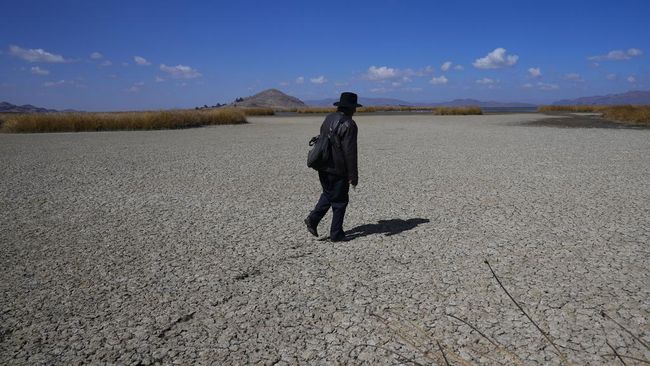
pixel 336 126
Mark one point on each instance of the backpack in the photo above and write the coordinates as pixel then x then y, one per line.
pixel 321 153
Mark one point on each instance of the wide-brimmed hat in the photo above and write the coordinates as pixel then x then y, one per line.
pixel 348 100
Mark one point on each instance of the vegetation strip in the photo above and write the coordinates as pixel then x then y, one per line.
pixel 76 122
pixel 625 113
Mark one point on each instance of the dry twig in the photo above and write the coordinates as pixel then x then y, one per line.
pixel 548 337
pixel 638 339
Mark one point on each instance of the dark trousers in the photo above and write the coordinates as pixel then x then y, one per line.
pixel 335 195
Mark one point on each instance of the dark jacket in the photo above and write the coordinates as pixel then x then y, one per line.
pixel 344 146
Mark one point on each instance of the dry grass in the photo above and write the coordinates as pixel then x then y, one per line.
pixel 257 111
pixel 621 113
pixel 571 108
pixel 457 111
pixel 372 109
pixel 75 122
pixel 628 113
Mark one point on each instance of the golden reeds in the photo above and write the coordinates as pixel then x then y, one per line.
pixel 639 114
pixel 257 111
pixel 457 111
pixel 628 113
pixel 75 122
pixel 571 108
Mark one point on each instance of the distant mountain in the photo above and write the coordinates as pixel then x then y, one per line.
pixel 328 102
pixel 478 103
pixel 26 108
pixel 398 102
pixel 271 98
pixel 638 97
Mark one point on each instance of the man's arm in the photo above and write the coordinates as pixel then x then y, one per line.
pixel 349 147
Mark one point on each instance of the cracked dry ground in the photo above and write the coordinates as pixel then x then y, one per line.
pixel 188 247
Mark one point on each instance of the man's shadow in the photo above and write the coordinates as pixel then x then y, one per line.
pixel 386 227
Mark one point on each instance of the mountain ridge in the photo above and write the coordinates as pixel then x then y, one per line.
pixel 398 102
pixel 636 97
pixel 6 107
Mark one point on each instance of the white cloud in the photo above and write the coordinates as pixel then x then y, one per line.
pixel 486 81
pixel 159 79
pixel 36 55
pixel 381 73
pixel 426 71
pixel 106 63
pixel 574 77
pixel 318 80
pixel 446 66
pixel 136 87
pixel 618 55
pixel 379 90
pixel 284 83
pixel 542 86
pixel 611 77
pixel 180 71
pixel 459 68
pixel 535 72
pixel 633 52
pixel 96 56
pixel 50 84
pixel 631 79
pixel 495 60
pixel 38 71
pixel 141 61
pixel 300 80
pixel 440 80
pixel 547 86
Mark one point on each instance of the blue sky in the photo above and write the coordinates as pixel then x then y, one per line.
pixel 129 55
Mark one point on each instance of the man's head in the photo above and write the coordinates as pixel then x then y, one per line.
pixel 347 103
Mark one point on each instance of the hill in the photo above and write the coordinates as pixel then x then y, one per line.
pixel 271 98
pixel 636 97
pixel 6 107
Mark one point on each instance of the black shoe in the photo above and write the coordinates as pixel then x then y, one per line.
pixel 341 238
pixel 311 228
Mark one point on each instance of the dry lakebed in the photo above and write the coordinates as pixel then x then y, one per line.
pixel 188 246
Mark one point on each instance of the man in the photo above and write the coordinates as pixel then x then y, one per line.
pixel 341 170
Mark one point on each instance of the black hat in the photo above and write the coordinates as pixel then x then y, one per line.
pixel 348 100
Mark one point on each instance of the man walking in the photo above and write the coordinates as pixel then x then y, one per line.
pixel 341 170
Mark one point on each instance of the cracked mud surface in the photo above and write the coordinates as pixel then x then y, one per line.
pixel 188 246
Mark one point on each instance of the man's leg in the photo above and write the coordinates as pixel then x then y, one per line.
pixel 339 201
pixel 323 203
